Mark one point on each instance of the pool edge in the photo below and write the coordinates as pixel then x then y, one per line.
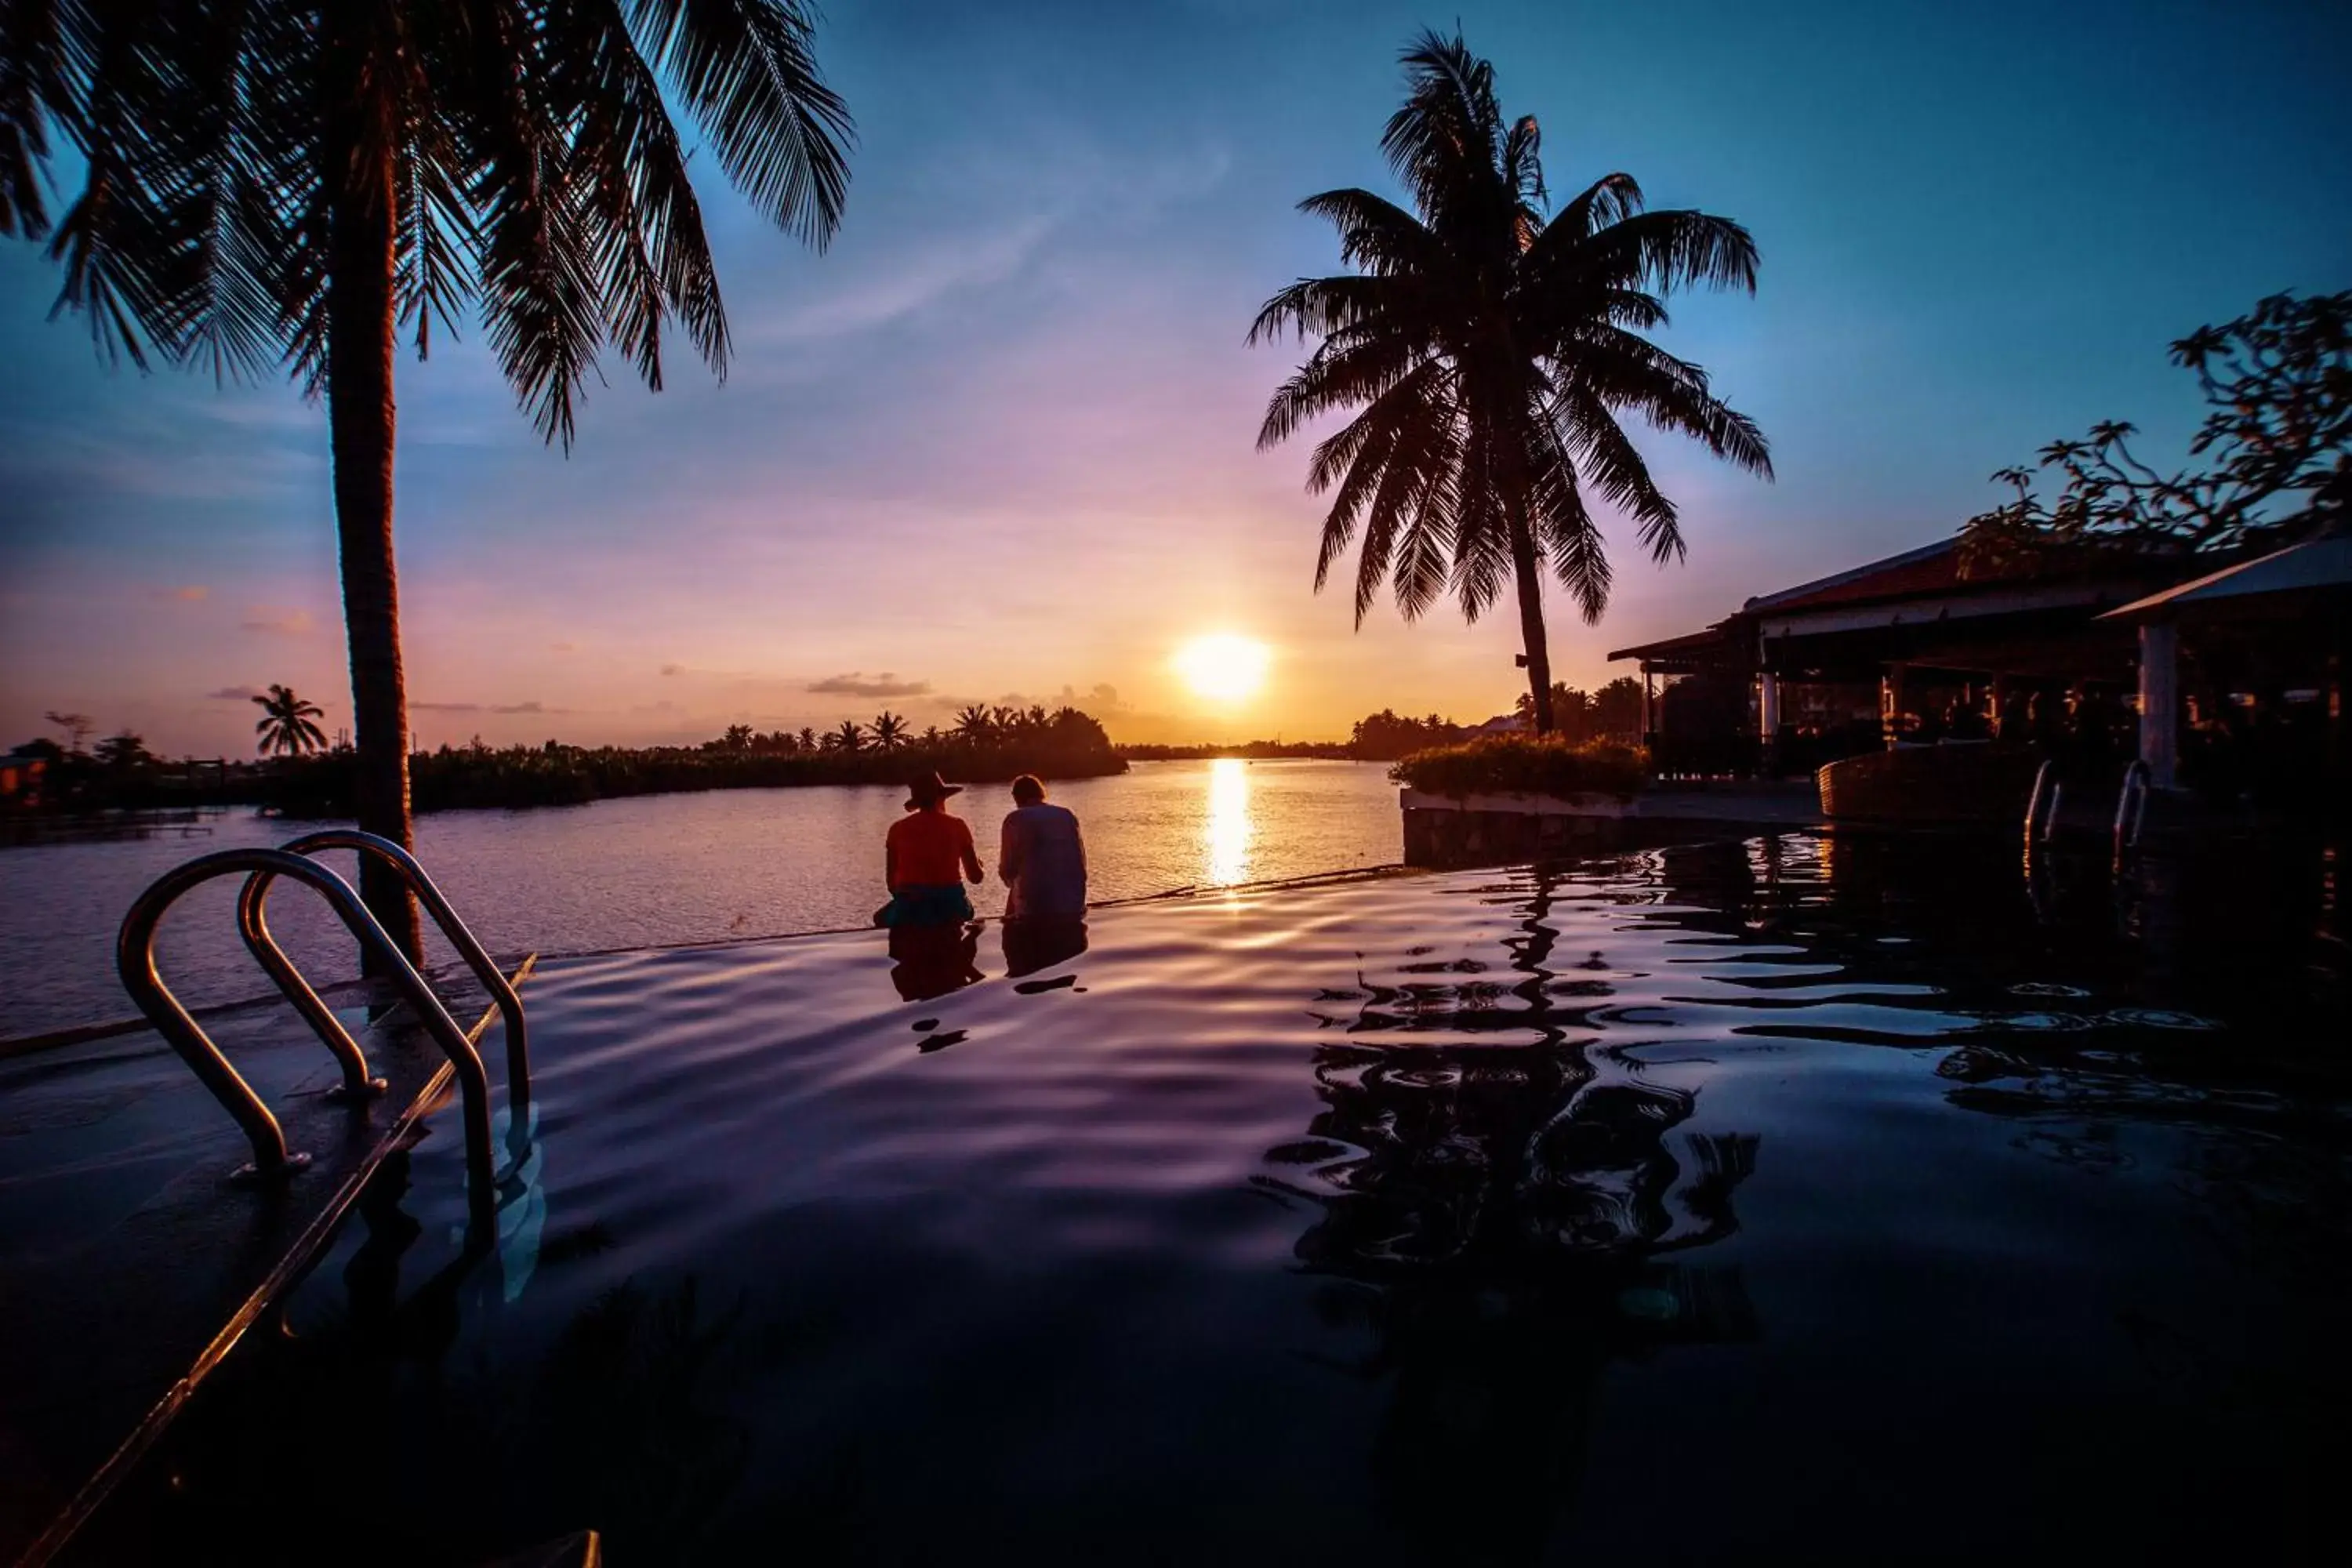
pixel 300 1257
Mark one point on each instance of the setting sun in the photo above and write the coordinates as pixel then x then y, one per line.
pixel 1223 668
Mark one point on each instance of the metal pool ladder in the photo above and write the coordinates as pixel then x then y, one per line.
pixel 2131 810
pixel 2042 805
pixel 135 958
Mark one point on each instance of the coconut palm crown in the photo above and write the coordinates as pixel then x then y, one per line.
pixel 289 183
pixel 1489 350
pixel 287 725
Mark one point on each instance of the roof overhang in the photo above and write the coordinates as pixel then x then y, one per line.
pixel 2015 599
pixel 2316 565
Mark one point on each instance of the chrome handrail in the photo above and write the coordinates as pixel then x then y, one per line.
pixel 2044 780
pixel 460 935
pixel 135 958
pixel 253 925
pixel 2131 809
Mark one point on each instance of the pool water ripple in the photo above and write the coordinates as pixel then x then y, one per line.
pixel 1661 1209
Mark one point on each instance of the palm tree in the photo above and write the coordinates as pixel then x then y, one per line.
pixel 848 738
pixel 889 730
pixel 1491 350
pixel 285 726
pixel 282 182
pixel 808 739
pixel 973 724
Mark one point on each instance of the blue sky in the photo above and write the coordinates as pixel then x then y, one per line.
pixel 998 441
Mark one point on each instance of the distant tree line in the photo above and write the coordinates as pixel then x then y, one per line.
pixel 1610 713
pixel 306 778
pixel 985 746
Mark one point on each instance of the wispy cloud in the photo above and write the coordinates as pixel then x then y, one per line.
pixel 186 593
pixel 858 684
pixel 892 291
pixel 235 694
pixel 563 648
pixel 278 621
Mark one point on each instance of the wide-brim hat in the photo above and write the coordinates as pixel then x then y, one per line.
pixel 928 789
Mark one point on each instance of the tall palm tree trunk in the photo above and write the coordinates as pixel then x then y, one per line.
pixel 361 328
pixel 1532 620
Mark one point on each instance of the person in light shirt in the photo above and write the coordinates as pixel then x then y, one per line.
pixel 1042 856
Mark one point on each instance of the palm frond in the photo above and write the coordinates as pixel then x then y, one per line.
pixel 33 37
pixel 748 69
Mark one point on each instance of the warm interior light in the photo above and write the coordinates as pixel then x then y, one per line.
pixel 1223 668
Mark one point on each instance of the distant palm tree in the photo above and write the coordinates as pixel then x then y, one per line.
pixel 848 738
pixel 281 182
pixel 1491 350
pixel 285 726
pixel 808 739
pixel 889 730
pixel 973 724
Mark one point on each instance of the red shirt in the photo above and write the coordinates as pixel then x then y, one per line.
pixel 928 849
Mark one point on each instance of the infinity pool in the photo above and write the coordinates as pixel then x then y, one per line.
pixel 1801 1199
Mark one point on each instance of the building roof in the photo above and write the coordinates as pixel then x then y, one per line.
pixel 1685 648
pixel 1930 569
pixel 2316 563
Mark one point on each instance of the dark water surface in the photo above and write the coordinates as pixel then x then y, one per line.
pixel 655 869
pixel 1789 1200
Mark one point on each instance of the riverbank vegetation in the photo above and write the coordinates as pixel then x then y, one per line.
pixel 1526 764
pixel 985 746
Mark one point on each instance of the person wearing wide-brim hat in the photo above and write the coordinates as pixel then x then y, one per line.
pixel 927 857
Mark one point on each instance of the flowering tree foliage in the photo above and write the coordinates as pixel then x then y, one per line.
pixel 2270 464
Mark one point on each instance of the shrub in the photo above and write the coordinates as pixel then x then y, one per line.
pixel 1522 765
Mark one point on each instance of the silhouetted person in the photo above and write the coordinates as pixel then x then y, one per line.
pixel 1042 856
pixel 927 859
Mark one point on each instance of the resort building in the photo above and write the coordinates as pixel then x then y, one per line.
pixel 2087 666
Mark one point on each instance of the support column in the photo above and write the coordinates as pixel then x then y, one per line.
pixel 1768 705
pixel 2159 701
pixel 1890 703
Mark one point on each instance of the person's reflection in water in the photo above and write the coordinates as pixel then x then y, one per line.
pixel 931 960
pixel 1041 942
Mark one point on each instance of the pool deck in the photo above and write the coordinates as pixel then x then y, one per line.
pixel 128 1278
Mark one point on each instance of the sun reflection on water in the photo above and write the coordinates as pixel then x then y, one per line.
pixel 1226 838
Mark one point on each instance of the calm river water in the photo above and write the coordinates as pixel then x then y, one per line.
pixel 666 869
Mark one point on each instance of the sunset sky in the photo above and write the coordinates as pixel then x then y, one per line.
pixel 998 443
